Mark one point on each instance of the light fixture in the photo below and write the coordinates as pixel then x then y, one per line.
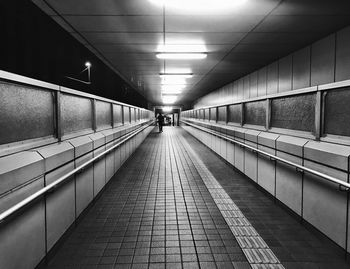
pixel 183 45
pixel 169 99
pixel 88 69
pixel 167 108
pixel 200 6
pixel 169 94
pixel 171 91
pixel 173 81
pixel 181 56
pixel 172 87
pixel 176 75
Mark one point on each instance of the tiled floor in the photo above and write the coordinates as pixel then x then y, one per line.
pixel 158 212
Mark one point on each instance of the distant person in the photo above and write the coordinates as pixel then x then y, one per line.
pixel 160 119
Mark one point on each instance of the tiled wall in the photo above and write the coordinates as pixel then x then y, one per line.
pixel 325 61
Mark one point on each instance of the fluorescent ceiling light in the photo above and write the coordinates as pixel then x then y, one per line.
pixel 182 70
pixel 167 108
pixel 173 87
pixel 171 92
pixel 176 75
pixel 181 56
pixel 173 81
pixel 198 6
pixel 185 46
pixel 169 99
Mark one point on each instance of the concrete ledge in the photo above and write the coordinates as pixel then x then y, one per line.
pixel 316 200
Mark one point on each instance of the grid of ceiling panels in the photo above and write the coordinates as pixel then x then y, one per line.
pixel 127 34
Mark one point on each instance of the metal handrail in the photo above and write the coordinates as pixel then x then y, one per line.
pixel 274 157
pixel 12 210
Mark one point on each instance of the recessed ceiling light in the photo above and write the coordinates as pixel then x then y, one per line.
pixel 181 56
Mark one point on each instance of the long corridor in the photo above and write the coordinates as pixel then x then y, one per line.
pixel 175 204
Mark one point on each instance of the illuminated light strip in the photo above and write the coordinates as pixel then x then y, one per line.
pixel 174 87
pixel 176 75
pixel 169 99
pixel 200 5
pixel 167 108
pixel 170 92
pixel 257 252
pixel 181 56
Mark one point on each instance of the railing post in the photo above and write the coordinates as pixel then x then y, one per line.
pixel 318 115
pixel 58 116
pixel 112 115
pixel 268 114
pixel 94 115
pixel 122 107
pixel 242 114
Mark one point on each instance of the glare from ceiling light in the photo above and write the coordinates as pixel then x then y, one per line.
pixel 173 87
pixel 167 108
pixel 169 99
pixel 186 46
pixel 181 56
pixel 199 6
pixel 171 92
pixel 171 69
pixel 176 75
pixel 173 81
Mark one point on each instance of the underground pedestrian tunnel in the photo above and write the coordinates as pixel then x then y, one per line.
pixel 251 169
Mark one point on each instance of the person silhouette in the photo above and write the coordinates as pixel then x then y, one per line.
pixel 160 120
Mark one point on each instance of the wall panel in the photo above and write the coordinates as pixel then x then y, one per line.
pixel 272 78
pixel 222 112
pixel 342 69
pixel 301 68
pixel 76 113
pixel 253 85
pixel 285 74
pixel 118 114
pixel 25 113
pixel 126 114
pixel 246 87
pixel 337 112
pixel 255 113
pixel 240 89
pixel 103 115
pixel 325 61
pixel 262 76
pixel 322 61
pixel 234 113
pixel 295 112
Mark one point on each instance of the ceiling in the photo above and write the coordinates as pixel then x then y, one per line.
pixel 126 35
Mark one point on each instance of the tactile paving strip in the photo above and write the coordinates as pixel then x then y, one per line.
pixel 257 252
